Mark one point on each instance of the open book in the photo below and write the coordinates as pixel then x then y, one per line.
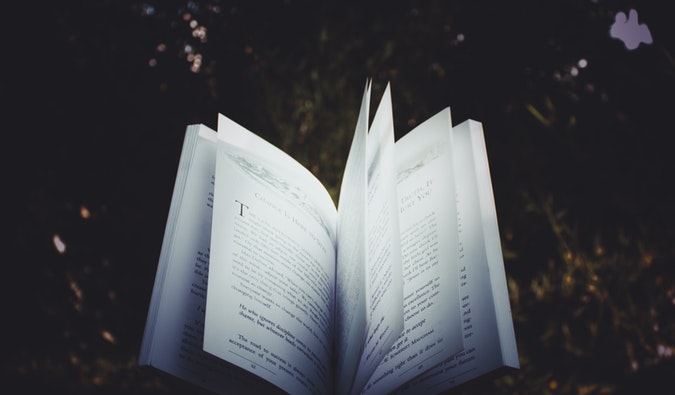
pixel 264 285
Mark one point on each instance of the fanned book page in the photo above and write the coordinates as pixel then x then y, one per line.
pixel 487 328
pixel 428 228
pixel 272 275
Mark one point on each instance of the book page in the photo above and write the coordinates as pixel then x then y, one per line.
pixel 383 271
pixel 428 223
pixel 271 281
pixel 174 333
pixel 484 342
pixel 350 302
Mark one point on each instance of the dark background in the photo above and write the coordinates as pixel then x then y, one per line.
pixel 97 95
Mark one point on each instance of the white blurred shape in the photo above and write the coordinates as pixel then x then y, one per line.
pixel 628 30
pixel 59 244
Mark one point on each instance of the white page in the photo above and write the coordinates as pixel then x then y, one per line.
pixel 483 342
pixel 493 249
pixel 428 222
pixel 173 338
pixel 383 271
pixel 350 302
pixel 271 280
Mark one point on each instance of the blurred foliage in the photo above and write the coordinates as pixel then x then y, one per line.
pixel 576 125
